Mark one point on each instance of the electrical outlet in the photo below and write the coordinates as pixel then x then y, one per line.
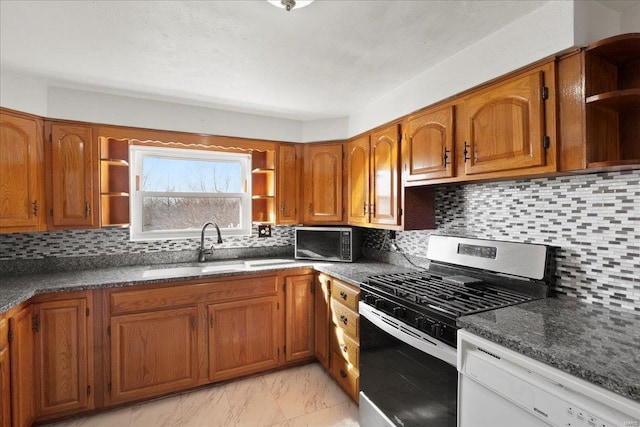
pixel 264 231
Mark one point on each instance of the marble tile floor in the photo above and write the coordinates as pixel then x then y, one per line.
pixel 304 396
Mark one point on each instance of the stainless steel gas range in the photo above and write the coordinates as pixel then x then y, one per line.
pixel 408 327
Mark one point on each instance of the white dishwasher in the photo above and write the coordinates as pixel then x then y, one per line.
pixel 500 387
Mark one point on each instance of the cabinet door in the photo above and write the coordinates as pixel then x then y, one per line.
pixel 21 170
pixel 73 166
pixel 5 389
pixel 358 181
pixel 322 296
pixel 299 317
pixel 61 357
pixel 428 149
pixel 242 337
pixel 288 177
pixel 323 183
pixel 21 348
pixel 505 126
pixel 153 353
pixel 385 185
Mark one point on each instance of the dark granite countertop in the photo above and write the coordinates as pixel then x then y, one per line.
pixel 593 343
pixel 17 289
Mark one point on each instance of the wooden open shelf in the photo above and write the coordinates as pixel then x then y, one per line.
pixel 612 84
pixel 114 182
pixel 263 182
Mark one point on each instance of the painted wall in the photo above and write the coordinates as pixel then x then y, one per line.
pixel 630 22
pixel 23 93
pixel 546 31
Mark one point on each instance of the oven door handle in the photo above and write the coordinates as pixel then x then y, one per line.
pixel 409 335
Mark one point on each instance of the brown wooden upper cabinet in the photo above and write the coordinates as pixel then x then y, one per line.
pixel 22 205
pixel 288 178
pixel 372 181
pixel 385 182
pixel 505 126
pixel 323 177
pixel 72 166
pixel 428 149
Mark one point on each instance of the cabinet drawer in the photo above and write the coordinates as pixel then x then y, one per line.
pixel 345 346
pixel 346 375
pixel 345 294
pixel 345 319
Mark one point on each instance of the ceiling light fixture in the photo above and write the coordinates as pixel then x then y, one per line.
pixel 290 4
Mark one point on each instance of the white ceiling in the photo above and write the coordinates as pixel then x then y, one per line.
pixel 323 61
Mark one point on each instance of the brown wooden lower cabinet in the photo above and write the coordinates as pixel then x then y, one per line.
pixel 338 331
pixel 153 353
pixel 321 298
pixel 22 368
pixel 62 380
pixel 5 382
pixel 299 317
pixel 243 337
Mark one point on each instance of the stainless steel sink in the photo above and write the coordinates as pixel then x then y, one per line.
pixel 192 271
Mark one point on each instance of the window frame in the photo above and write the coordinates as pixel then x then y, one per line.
pixel 138 152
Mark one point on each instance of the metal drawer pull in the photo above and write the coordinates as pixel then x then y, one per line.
pixel 343 374
pixel 343 295
pixel 343 347
pixel 343 319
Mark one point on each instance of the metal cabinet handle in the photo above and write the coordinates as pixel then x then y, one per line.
pixel 343 374
pixel 344 347
pixel 343 319
pixel 446 156
pixel 35 208
pixel 87 210
pixel 310 208
pixel 343 295
pixel 466 152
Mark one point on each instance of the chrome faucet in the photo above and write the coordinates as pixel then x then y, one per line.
pixel 202 251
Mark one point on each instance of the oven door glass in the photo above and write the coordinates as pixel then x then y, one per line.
pixel 410 387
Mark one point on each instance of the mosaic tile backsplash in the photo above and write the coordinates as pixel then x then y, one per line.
pixel 592 221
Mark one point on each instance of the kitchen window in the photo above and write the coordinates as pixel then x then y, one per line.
pixel 175 191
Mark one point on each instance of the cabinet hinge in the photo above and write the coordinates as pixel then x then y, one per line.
pixel 193 323
pixel 399 138
pixel 313 288
pixel 284 349
pixel 50 138
pixel 109 330
pixel 545 92
pixel 109 387
pixel 88 390
pixel 399 212
pixel 87 312
pixel 277 306
pixel 10 335
pixel 546 142
pixel 51 212
pixel 35 326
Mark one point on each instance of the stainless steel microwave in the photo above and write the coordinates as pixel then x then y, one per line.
pixel 328 243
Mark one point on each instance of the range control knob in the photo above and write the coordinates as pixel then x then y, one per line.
pixel 419 322
pixel 370 299
pixel 436 330
pixel 398 312
pixel 379 303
